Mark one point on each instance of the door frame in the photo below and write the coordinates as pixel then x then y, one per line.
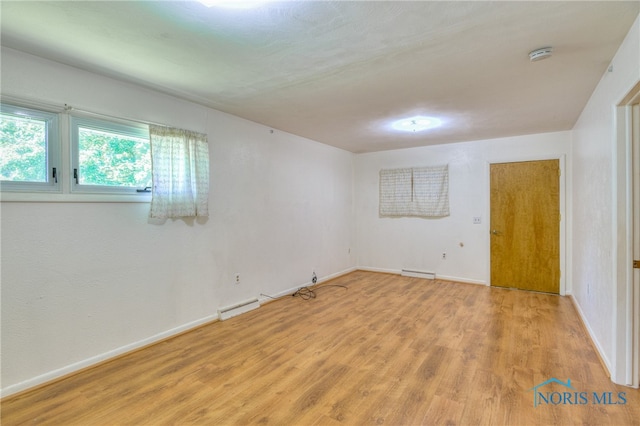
pixel 626 364
pixel 563 212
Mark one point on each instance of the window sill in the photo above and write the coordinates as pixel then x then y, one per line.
pixel 44 197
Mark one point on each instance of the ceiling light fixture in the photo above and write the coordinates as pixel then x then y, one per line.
pixel 540 54
pixel 232 4
pixel 416 124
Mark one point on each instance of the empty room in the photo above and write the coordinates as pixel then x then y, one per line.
pixel 319 212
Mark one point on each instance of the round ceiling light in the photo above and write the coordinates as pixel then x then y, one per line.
pixel 540 54
pixel 233 4
pixel 416 124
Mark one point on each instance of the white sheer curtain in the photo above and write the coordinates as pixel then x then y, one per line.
pixel 180 161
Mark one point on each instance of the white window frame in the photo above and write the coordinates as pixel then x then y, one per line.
pixel 53 148
pixel 124 128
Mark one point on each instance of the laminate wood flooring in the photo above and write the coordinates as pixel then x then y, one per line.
pixel 384 350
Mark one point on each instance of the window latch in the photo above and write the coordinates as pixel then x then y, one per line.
pixel 54 175
pixel 146 189
pixel 75 175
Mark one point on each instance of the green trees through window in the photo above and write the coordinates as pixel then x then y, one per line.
pixel 106 156
pixel 23 149
pixel 112 159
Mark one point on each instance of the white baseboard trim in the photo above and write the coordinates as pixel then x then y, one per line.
pixel 438 276
pixel 414 273
pixel 384 271
pixel 460 280
pixel 337 274
pixel 94 360
pixel 238 309
pixel 592 336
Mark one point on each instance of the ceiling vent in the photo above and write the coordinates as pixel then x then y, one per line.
pixel 540 54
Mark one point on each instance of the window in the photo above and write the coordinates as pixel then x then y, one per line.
pixel 29 149
pixel 420 191
pixel 61 154
pixel 109 156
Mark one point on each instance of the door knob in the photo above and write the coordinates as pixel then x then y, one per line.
pixel 495 232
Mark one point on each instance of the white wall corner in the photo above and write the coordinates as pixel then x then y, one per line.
pixel 601 353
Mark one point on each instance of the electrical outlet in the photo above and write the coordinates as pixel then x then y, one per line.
pixel 477 220
pixel 314 277
pixel 444 256
pixel 237 278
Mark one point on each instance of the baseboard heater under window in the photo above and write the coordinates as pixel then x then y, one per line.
pixel 240 308
pixel 418 274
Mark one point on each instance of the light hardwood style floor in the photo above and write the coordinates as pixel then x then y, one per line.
pixel 386 350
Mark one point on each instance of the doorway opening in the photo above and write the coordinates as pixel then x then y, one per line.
pixel 627 232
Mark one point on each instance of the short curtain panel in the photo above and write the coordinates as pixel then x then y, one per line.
pixel 419 191
pixel 180 162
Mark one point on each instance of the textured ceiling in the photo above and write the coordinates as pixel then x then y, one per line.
pixel 339 71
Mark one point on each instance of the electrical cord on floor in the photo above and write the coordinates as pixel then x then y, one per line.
pixel 270 297
pixel 306 293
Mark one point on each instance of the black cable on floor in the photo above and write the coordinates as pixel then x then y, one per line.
pixel 306 293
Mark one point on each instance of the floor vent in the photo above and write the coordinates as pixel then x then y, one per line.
pixel 240 308
pixel 418 274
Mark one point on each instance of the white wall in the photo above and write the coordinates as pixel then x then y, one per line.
pixel 392 244
pixel 595 166
pixel 85 281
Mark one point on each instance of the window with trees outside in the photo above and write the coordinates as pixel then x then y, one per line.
pixel 109 156
pixel 101 156
pixel 29 149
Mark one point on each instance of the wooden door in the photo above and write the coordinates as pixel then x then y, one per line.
pixel 525 225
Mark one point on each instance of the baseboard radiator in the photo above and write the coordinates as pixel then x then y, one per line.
pixel 240 308
pixel 418 274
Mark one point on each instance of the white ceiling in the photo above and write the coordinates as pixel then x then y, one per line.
pixel 339 71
